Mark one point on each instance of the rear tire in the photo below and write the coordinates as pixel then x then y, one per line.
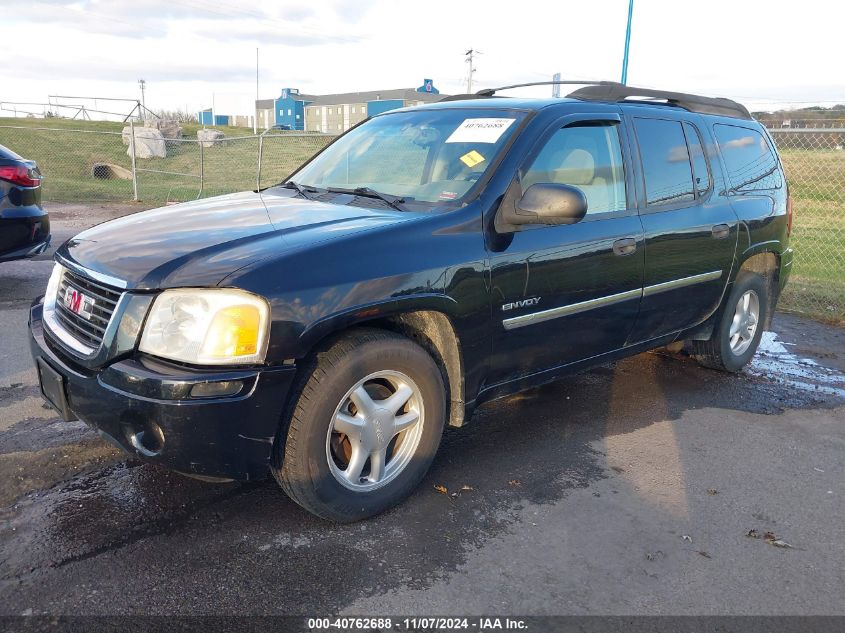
pixel 737 335
pixel 365 427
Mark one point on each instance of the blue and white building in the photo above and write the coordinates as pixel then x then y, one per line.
pixel 336 113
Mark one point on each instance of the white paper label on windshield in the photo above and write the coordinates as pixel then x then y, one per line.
pixel 480 130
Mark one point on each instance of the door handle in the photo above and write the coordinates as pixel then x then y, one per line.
pixel 721 231
pixel 625 246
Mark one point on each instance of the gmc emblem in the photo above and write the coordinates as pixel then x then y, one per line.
pixel 79 303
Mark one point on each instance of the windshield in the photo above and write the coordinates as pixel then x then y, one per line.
pixel 424 155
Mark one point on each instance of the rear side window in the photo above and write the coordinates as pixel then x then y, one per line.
pixel 748 157
pixel 666 161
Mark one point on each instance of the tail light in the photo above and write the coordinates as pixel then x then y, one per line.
pixel 21 175
pixel 788 215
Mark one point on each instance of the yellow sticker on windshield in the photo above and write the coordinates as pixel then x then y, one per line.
pixel 471 159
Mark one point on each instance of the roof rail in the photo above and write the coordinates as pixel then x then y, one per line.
pixel 693 103
pixel 463 97
pixel 489 92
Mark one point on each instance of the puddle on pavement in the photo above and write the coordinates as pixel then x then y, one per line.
pixel 775 362
pixel 100 510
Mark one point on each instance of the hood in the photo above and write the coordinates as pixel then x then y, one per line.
pixel 200 243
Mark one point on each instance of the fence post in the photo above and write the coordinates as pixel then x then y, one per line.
pixel 202 169
pixel 132 154
pixel 260 150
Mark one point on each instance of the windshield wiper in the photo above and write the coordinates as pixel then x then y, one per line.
pixel 395 202
pixel 302 190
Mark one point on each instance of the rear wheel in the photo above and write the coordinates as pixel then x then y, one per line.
pixel 365 427
pixel 736 337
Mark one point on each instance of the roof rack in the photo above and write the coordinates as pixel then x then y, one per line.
pixel 489 92
pixel 463 97
pixel 694 103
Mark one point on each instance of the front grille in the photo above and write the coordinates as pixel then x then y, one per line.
pixel 89 332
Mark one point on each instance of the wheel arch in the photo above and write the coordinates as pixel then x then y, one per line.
pixel 425 320
pixel 765 263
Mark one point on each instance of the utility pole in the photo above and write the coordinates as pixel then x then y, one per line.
pixel 470 55
pixel 627 43
pixel 255 108
pixel 143 83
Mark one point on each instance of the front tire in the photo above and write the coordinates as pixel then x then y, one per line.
pixel 365 427
pixel 737 335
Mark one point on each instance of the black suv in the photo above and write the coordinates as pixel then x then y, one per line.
pixel 429 260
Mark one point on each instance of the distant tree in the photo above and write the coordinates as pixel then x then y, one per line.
pixel 182 116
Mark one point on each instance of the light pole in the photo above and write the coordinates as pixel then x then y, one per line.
pixel 143 83
pixel 255 108
pixel 627 43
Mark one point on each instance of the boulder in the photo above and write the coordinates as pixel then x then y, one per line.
pixel 170 128
pixel 109 171
pixel 149 143
pixel 207 138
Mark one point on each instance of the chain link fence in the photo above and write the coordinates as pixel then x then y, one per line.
pixel 814 159
pixel 88 166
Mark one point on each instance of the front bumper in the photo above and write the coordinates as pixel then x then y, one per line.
pixel 145 408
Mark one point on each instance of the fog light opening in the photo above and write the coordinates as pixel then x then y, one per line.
pixel 216 389
pixel 145 437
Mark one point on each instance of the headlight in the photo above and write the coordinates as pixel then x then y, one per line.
pixel 53 288
pixel 207 327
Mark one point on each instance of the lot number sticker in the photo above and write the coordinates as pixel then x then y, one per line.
pixel 480 130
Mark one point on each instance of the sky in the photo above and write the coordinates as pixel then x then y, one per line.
pixel 195 53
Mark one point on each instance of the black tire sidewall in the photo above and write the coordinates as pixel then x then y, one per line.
pixel 744 283
pixel 395 354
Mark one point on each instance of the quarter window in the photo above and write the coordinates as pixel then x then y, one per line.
pixel 666 161
pixel 586 157
pixel 748 157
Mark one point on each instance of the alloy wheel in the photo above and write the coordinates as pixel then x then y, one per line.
pixel 745 321
pixel 375 431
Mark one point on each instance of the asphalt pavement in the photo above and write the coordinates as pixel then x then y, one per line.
pixel 628 489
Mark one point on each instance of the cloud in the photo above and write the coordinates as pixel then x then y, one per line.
pixel 124 18
pixel 144 19
pixel 110 69
pixel 282 35
pixel 352 10
pixel 737 143
pixel 296 13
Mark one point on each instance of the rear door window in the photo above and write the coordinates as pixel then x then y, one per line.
pixel 748 157
pixel 700 170
pixel 666 162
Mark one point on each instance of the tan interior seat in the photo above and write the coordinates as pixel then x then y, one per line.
pixel 577 168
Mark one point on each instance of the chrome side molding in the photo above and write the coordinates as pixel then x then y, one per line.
pixel 602 302
pixel 681 283
pixel 573 308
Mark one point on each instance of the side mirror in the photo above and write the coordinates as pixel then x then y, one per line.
pixel 550 203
